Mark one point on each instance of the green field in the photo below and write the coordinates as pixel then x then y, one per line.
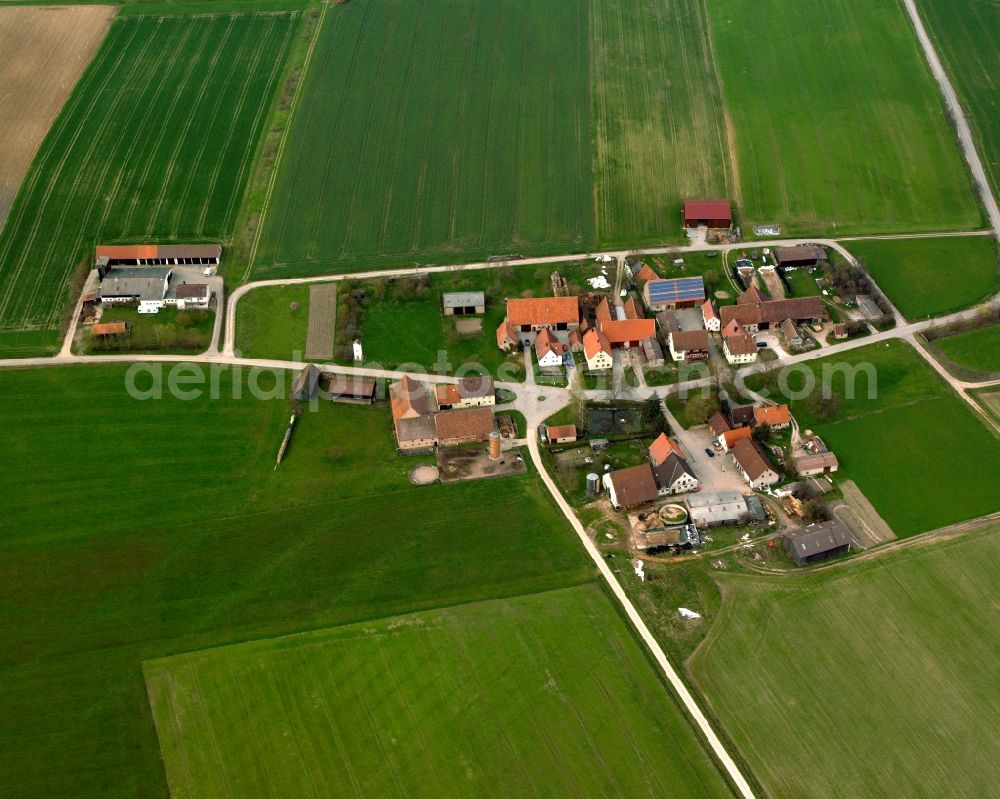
pixel 154 144
pixel 839 125
pixel 542 695
pixel 429 130
pixel 659 129
pixel 873 680
pixel 931 277
pixel 140 529
pixel 977 350
pixel 268 325
pixel 963 36
pixel 917 451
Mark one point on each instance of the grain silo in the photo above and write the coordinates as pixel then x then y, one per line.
pixel 593 485
pixel 494 444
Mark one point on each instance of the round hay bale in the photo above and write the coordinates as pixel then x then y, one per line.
pixel 722 295
pixel 293 307
pixel 424 475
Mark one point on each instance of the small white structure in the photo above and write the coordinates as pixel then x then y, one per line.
pixel 637 565
pixel 358 353
pixel 686 613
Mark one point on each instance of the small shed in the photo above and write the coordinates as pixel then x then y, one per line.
pixel 110 329
pixel 561 433
pixel 305 387
pixel 817 542
pixel 464 303
pixel 353 390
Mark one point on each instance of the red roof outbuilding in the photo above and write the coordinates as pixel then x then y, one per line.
pixel 713 213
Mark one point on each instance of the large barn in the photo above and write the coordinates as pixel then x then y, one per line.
pixel 675 292
pixel 711 213
pixel 158 254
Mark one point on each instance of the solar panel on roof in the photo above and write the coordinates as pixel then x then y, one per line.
pixel 678 288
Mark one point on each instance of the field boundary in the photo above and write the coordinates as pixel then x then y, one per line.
pixel 322 321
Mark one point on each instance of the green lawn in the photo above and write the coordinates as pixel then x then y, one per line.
pixel 962 36
pixel 659 121
pixel 140 529
pixel 916 450
pixel 932 277
pixel 880 677
pixel 272 322
pixel 802 283
pixel 449 130
pixel 542 695
pixel 113 169
pixel 839 126
pixel 977 350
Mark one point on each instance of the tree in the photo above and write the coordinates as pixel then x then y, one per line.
pixel 762 433
pixel 652 409
pixel 578 399
pixel 815 509
pixel 698 410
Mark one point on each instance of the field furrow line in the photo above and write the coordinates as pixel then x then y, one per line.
pixel 229 220
pixel 53 238
pixel 154 149
pixel 14 222
pixel 195 107
pixel 236 66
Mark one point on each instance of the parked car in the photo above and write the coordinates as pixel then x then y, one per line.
pixel 761 344
pixel 709 452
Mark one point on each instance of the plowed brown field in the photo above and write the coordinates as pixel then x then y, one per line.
pixel 45 50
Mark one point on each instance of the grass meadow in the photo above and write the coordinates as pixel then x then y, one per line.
pixel 963 36
pixel 883 672
pixel 659 121
pixel 541 695
pixel 154 144
pixel 838 123
pixel 917 451
pixel 269 326
pixel 477 141
pixel 976 350
pixel 932 277
pixel 140 529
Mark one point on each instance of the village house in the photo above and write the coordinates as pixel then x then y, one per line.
pixel 597 350
pixel 661 448
pixel 527 317
pixel 507 338
pixel 602 313
pixel 688 345
pixel 549 350
pixel 641 272
pixel 777 417
pixel 817 542
pixel 739 349
pixel 718 424
pixel 710 213
pixel 187 296
pixel 629 488
pixel 676 292
pixel 560 433
pixel 710 317
pixel 753 465
pixel 727 438
pixel 468 392
pixel 754 314
pixel 741 415
pixel 674 476
pixel 463 303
